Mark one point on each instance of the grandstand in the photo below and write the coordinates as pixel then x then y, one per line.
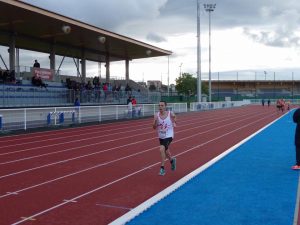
pixel 254 89
pixel 66 37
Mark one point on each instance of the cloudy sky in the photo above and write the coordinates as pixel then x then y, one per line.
pixel 255 36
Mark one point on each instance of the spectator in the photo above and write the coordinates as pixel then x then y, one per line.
pixel 296 119
pixel 37 81
pixel 129 100
pixel 77 103
pixel 77 108
pixel 96 81
pixel 105 89
pixel 129 107
pixel 133 101
pixel 36 64
pixel 128 89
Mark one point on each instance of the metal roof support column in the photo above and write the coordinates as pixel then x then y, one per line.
pixel 83 67
pixel 107 66
pixel 127 70
pixel 18 63
pixel 12 52
pixel 52 59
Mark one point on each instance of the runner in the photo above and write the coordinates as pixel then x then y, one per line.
pixel 164 122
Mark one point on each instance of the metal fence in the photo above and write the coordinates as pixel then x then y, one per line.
pixel 31 96
pixel 201 106
pixel 28 118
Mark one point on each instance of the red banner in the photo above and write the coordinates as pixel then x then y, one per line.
pixel 45 74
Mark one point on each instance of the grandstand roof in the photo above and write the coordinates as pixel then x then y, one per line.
pixel 36 29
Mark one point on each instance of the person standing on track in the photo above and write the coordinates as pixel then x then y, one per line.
pixel 164 122
pixel 296 119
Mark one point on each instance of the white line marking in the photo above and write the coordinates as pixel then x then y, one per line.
pixel 66 200
pixel 113 206
pixel 28 218
pixel 11 193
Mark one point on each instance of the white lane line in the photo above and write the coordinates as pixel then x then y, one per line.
pixel 98 152
pixel 67 200
pixel 28 218
pixel 11 193
pixel 113 206
pixel 177 184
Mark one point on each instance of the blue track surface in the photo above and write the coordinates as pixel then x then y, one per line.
pixel 252 185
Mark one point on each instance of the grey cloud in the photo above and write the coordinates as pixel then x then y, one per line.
pixel 276 38
pixel 155 37
pixel 102 13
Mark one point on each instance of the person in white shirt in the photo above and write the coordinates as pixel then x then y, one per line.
pixel 164 122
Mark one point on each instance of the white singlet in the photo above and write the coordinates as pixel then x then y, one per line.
pixel 165 127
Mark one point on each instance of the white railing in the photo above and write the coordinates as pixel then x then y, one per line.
pixel 28 118
pixel 200 106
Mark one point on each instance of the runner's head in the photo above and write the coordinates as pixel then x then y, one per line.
pixel 162 106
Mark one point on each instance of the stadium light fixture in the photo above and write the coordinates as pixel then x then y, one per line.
pixel 101 39
pixel 209 8
pixel 66 29
pixel 148 52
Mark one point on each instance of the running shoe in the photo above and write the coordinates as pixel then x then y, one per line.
pixel 173 166
pixel 162 172
pixel 296 167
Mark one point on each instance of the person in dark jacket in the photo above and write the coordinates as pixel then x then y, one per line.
pixel 296 119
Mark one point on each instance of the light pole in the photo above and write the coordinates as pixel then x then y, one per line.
pixel 199 91
pixel 168 76
pixel 180 69
pixel 209 8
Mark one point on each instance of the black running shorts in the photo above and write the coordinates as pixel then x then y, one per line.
pixel 165 142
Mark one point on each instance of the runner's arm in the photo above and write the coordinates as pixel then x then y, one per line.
pixel 174 118
pixel 154 125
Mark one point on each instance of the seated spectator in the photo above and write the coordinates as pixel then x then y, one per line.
pixel 37 81
pixel 11 76
pixel 1 75
pixel 5 75
pixel 128 89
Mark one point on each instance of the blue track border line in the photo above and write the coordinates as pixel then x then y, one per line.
pixel 156 198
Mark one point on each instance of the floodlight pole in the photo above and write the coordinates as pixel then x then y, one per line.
pixel 209 8
pixel 199 91
pixel 168 75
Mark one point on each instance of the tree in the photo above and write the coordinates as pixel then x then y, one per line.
pixel 187 84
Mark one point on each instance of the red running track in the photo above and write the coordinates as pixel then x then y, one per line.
pixel 94 174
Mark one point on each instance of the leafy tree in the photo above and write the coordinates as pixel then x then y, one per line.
pixel 187 84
